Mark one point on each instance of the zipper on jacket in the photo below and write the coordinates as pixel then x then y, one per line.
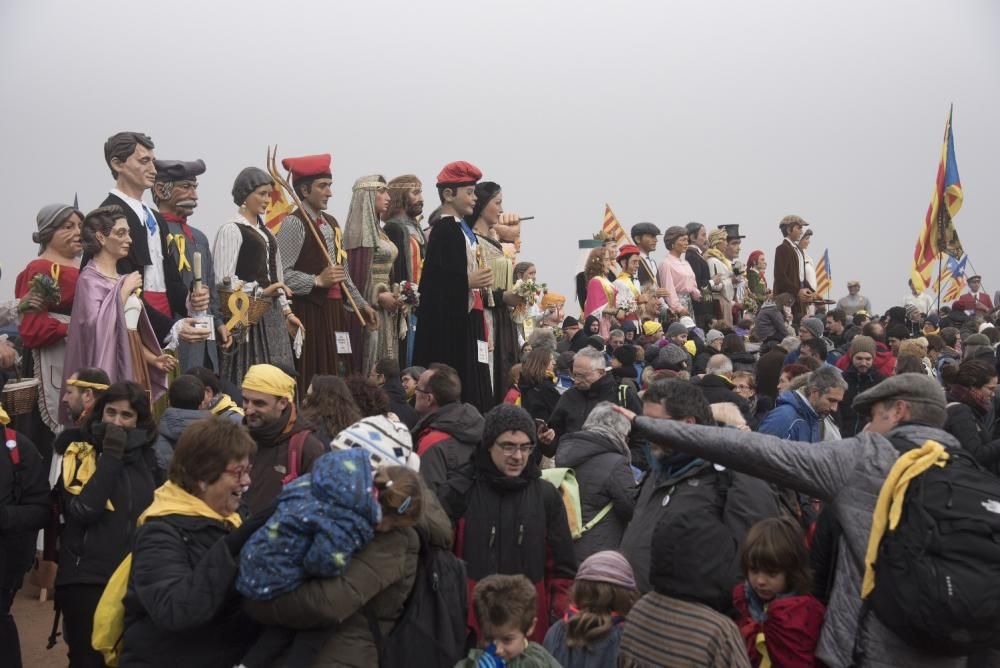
pixel 520 534
pixel 493 534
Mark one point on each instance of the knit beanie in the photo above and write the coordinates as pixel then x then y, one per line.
pixel 713 336
pixel 687 321
pixel 506 417
pixel 625 355
pixel 897 331
pixel 813 325
pixel 596 342
pixel 862 344
pixel 651 327
pixel 388 442
pixel 672 357
pixel 676 329
pixel 607 566
pixel 976 340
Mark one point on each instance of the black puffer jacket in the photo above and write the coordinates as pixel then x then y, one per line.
pixel 850 422
pixel 181 608
pixel 604 475
pixel 24 509
pixel 539 400
pixel 95 539
pixel 575 405
pixel 966 423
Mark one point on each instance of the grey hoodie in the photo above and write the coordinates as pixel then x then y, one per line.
pixel 172 425
pixel 847 474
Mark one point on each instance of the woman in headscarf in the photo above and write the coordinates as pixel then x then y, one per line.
pixel 498 300
pixel 43 330
pixel 99 331
pixel 371 255
pixel 720 265
pixel 247 254
pixel 602 296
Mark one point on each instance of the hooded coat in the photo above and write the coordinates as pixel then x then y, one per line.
pixel 847 475
pixel 575 405
pixel 850 421
pixel 885 361
pixel 792 419
pixel 172 424
pixel 604 474
pixel 445 441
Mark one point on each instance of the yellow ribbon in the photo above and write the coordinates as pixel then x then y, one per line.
pixel 79 466
pixel 54 272
pixel 239 306
pixel 181 242
pixel 338 246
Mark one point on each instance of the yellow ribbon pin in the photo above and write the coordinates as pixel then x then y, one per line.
pixel 181 242
pixel 239 306
pixel 338 246
pixel 54 272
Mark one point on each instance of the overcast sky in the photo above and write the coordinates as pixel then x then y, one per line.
pixel 719 112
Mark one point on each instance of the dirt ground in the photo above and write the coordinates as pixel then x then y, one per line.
pixel 34 622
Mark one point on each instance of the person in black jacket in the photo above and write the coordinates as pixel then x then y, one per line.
pixel 591 385
pixel 181 605
pixel 861 375
pixel 107 481
pixel 539 395
pixel 971 388
pixel 509 520
pixel 24 509
pixel 387 376
pixel 599 457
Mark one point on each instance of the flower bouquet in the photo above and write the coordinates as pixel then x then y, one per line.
pixel 627 303
pixel 45 289
pixel 409 295
pixel 529 291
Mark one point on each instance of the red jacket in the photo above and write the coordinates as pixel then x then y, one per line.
pixel 885 361
pixel 791 629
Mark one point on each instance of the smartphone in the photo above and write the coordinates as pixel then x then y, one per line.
pixel 540 425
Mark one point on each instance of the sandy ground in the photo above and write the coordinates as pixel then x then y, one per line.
pixel 34 622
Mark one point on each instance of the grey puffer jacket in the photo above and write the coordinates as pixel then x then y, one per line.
pixel 172 425
pixel 846 474
pixel 604 475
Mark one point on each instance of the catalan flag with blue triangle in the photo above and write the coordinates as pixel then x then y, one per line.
pixel 824 276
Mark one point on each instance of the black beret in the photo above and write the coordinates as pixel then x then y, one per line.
pixel 178 170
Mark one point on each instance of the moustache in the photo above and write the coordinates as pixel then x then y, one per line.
pixel 187 204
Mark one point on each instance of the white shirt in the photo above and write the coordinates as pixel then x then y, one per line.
pixel 923 302
pixel 153 278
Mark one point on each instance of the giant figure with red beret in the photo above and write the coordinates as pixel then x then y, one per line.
pixel 451 327
pixel 317 284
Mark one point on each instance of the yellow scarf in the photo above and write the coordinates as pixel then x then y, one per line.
pixel 4 418
pixel 78 467
pixel 626 278
pixel 171 499
pixel 889 506
pixel 224 403
pixel 717 254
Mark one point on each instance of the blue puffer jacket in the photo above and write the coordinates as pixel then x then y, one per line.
pixel 322 519
pixel 792 419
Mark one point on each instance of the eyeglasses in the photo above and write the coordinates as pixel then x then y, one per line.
pixel 510 449
pixel 421 390
pixel 239 471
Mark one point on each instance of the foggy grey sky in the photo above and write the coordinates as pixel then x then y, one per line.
pixel 720 112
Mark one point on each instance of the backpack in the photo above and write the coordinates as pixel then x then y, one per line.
pixel 432 629
pixel 564 480
pixel 937 573
pixel 295 447
pixel 109 616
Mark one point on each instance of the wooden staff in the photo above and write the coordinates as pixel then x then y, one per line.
pixel 311 224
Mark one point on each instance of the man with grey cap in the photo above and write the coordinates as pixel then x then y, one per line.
pixel 129 156
pixel 175 193
pixel 847 475
pixel 644 235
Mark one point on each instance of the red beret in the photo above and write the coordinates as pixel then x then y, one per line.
pixel 626 250
pixel 308 165
pixel 459 173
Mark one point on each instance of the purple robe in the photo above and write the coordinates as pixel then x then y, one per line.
pixel 98 336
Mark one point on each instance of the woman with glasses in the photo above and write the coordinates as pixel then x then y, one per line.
pixel 181 607
pixel 509 520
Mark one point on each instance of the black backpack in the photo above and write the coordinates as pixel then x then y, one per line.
pixel 937 575
pixel 433 627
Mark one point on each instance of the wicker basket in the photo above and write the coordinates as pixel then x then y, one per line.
pixel 258 307
pixel 21 396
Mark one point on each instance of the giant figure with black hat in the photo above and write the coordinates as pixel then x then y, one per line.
pixel 451 325
pixel 317 286
pixel 790 265
pixel 175 193
pixel 129 156
pixel 726 274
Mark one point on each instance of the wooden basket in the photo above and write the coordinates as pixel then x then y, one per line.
pixel 21 396
pixel 258 307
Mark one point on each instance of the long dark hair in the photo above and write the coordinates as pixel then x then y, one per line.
pixel 777 545
pixel 485 191
pixel 536 367
pixel 330 405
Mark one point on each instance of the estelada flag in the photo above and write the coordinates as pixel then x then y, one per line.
pixel 939 234
pixel 824 275
pixel 611 228
pixel 277 209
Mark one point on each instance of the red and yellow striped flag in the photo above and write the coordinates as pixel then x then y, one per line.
pixel 612 229
pixel 823 274
pixel 939 234
pixel 278 208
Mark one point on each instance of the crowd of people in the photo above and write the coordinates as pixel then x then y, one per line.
pixel 380 443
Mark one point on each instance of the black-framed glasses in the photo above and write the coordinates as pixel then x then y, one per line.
pixel 510 449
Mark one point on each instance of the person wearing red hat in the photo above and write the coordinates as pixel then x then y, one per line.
pixel 318 286
pixel 627 281
pixel 451 325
